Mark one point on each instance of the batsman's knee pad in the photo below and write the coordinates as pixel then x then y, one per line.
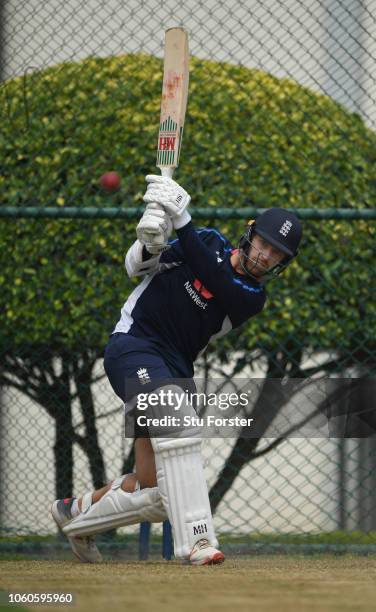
pixel 183 488
pixel 117 508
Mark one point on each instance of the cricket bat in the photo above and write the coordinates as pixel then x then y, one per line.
pixel 173 103
pixel 174 100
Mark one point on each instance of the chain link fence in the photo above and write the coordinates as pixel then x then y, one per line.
pixel 281 113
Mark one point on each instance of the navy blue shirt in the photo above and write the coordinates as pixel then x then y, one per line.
pixel 193 295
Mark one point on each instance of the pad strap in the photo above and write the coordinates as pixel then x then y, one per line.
pixel 87 500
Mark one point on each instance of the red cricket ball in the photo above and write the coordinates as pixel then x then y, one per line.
pixel 110 182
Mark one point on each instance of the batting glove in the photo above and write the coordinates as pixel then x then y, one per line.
pixel 154 229
pixel 171 196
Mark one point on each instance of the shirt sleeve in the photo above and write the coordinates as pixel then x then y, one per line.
pixel 240 298
pixel 173 254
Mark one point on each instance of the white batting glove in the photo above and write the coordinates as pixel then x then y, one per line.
pixel 154 229
pixel 171 196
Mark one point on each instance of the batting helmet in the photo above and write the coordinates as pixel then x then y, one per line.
pixel 280 228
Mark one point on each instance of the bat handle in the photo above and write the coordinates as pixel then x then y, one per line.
pixel 164 172
pixel 169 173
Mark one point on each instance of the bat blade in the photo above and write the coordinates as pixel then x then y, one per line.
pixel 174 99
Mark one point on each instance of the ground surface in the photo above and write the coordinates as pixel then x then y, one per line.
pixel 260 584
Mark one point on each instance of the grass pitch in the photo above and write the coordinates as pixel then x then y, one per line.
pixel 260 584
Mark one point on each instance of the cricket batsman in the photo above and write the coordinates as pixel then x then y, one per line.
pixel 199 288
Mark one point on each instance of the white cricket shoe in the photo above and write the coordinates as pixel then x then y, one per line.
pixel 203 553
pixel 83 547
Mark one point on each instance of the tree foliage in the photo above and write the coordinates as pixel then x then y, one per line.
pixel 251 140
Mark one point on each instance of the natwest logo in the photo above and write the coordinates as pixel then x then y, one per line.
pixel 202 290
pixel 195 296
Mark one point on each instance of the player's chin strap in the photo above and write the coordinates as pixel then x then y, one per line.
pixel 244 246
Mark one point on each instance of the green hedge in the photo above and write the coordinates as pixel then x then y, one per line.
pixel 250 140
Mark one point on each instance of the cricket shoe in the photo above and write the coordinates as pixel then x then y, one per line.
pixel 203 553
pixel 84 547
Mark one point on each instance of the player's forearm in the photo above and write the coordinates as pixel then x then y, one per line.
pixel 138 261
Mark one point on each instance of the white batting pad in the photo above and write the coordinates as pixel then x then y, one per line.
pixel 184 492
pixel 116 509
